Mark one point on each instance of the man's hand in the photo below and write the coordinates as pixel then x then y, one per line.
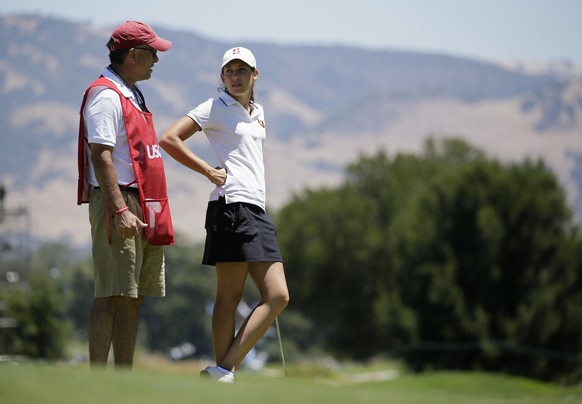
pixel 127 224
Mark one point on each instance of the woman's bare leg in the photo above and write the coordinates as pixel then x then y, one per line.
pixel 269 278
pixel 230 281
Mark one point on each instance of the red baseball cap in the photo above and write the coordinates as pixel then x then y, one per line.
pixel 134 33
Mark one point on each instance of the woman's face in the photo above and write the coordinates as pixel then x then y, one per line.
pixel 238 77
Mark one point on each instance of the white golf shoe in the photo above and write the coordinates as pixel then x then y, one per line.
pixel 219 374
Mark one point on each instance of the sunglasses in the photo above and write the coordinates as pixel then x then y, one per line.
pixel 153 51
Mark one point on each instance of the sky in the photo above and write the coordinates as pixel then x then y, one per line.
pixel 536 31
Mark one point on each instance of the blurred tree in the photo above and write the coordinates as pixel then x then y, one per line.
pixel 440 249
pixel 41 330
pixel 79 294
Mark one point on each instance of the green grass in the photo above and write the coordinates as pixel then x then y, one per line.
pixel 48 384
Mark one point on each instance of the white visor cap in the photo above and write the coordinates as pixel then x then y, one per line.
pixel 241 54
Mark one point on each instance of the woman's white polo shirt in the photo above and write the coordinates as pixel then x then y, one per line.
pixel 237 138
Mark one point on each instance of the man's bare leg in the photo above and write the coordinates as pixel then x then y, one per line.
pixel 113 320
pixel 125 331
pixel 100 330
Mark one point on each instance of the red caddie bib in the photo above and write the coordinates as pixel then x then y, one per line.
pixel 147 162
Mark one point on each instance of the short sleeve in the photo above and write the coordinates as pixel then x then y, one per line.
pixel 202 114
pixel 103 115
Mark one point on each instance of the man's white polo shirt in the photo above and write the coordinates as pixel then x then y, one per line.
pixel 104 125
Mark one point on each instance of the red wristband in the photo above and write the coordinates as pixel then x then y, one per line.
pixel 118 211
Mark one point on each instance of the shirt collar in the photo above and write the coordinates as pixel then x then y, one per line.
pixel 126 91
pixel 228 100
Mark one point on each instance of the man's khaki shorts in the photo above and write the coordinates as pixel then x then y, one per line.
pixel 125 267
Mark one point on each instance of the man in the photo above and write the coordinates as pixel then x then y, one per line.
pixel 121 175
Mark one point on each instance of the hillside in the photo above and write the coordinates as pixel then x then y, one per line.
pixel 324 106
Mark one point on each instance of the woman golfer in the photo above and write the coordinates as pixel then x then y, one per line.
pixel 241 239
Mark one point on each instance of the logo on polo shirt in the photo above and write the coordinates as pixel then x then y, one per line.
pixel 153 151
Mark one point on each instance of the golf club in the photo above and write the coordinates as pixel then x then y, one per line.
pixel 281 348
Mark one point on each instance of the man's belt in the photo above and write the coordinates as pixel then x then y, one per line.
pixel 132 190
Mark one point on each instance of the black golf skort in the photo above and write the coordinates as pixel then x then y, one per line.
pixel 239 232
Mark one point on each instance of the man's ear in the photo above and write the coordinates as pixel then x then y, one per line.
pixel 132 54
